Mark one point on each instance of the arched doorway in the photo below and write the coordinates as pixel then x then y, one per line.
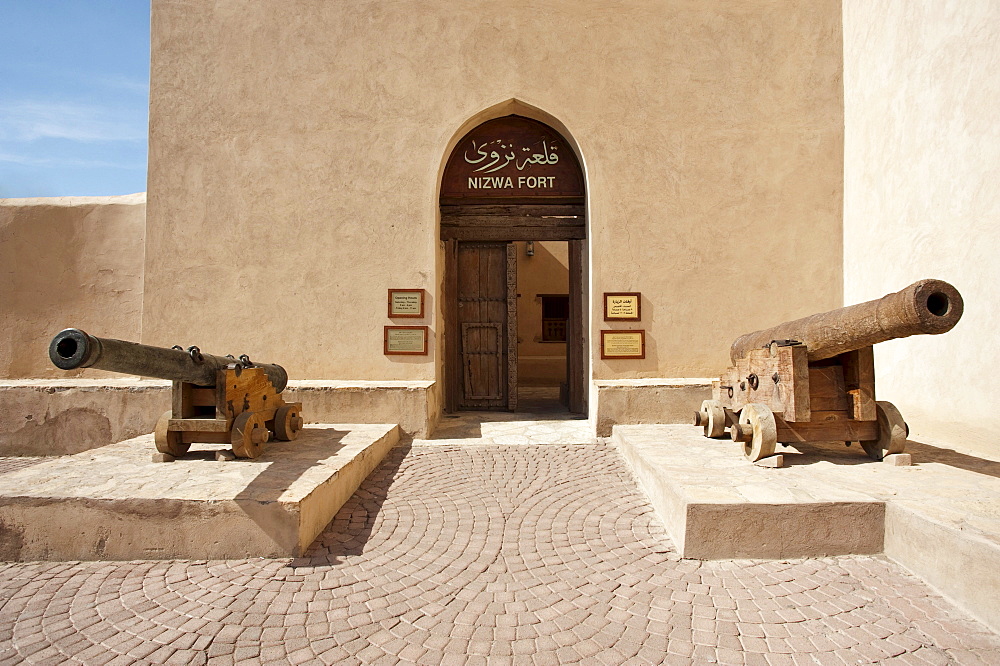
pixel 512 189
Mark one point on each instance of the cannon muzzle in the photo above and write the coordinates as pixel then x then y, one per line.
pixel 925 307
pixel 72 348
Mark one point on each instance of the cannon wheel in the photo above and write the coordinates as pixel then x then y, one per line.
pixel 765 431
pixel 249 435
pixel 287 423
pixel 892 432
pixel 712 418
pixel 169 441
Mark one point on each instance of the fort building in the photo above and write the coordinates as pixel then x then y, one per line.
pixel 421 209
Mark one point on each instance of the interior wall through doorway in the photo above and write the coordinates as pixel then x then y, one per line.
pixel 542 313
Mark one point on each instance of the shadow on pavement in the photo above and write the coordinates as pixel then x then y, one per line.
pixel 283 463
pixel 349 531
pixel 925 453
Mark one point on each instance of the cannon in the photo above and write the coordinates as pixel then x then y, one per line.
pixel 216 399
pixel 813 379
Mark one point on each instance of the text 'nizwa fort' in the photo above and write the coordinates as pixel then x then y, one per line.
pixel 564 332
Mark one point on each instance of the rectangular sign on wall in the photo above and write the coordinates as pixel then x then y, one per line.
pixel 623 344
pixel 406 303
pixel 405 340
pixel 622 306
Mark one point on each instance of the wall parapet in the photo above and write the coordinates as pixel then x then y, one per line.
pixel 46 417
pixel 648 400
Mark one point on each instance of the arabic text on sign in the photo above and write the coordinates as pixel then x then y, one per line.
pixel 622 307
pixel 497 154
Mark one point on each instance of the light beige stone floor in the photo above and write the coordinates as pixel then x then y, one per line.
pixel 480 553
pixel 540 419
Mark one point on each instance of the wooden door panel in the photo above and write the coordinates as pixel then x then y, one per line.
pixel 481 352
pixel 483 313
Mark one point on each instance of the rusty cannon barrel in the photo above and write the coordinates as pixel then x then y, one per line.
pixel 926 307
pixel 72 348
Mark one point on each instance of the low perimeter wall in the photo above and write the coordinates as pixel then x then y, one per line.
pixel 648 401
pixel 48 417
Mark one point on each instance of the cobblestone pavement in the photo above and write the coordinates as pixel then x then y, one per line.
pixel 485 554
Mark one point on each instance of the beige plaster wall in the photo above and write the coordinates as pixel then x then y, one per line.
pixel 67 261
pixel 296 150
pixel 547 272
pixel 922 162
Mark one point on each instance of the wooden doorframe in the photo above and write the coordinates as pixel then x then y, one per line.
pixel 576 334
pixel 576 329
pixel 452 362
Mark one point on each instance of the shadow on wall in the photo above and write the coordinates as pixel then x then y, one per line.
pixel 69 432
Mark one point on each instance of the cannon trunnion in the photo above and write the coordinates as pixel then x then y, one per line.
pixel 813 379
pixel 216 399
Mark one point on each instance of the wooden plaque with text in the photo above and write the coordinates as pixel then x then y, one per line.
pixel 405 340
pixel 623 344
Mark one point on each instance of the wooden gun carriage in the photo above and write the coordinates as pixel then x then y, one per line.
pixel 813 379
pixel 216 399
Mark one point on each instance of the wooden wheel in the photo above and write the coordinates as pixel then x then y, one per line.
pixel 169 441
pixel 287 423
pixel 757 431
pixel 249 435
pixel 712 418
pixel 892 432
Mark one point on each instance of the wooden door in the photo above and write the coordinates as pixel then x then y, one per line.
pixel 485 326
pixel 576 342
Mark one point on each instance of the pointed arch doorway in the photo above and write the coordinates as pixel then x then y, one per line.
pixel 511 185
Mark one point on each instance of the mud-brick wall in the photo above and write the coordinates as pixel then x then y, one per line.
pixel 67 261
pixel 921 164
pixel 301 145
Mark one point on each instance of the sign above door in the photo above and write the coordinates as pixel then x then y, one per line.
pixel 512 160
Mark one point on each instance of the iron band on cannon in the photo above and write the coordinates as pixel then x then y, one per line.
pixel 813 379
pixel 216 399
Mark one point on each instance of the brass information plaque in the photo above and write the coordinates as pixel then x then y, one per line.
pixel 623 344
pixel 406 303
pixel 622 306
pixel 405 340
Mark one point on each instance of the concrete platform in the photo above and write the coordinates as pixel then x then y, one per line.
pixel 940 517
pixel 114 503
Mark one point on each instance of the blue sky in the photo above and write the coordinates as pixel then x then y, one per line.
pixel 74 97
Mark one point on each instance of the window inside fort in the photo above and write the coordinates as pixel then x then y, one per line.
pixel 555 313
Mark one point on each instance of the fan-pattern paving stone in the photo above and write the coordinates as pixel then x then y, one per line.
pixel 12 464
pixel 485 554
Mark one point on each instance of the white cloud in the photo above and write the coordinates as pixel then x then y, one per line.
pixel 121 82
pixel 63 162
pixel 28 121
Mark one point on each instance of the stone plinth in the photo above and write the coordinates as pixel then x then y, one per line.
pixel 939 517
pixel 718 505
pixel 114 503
